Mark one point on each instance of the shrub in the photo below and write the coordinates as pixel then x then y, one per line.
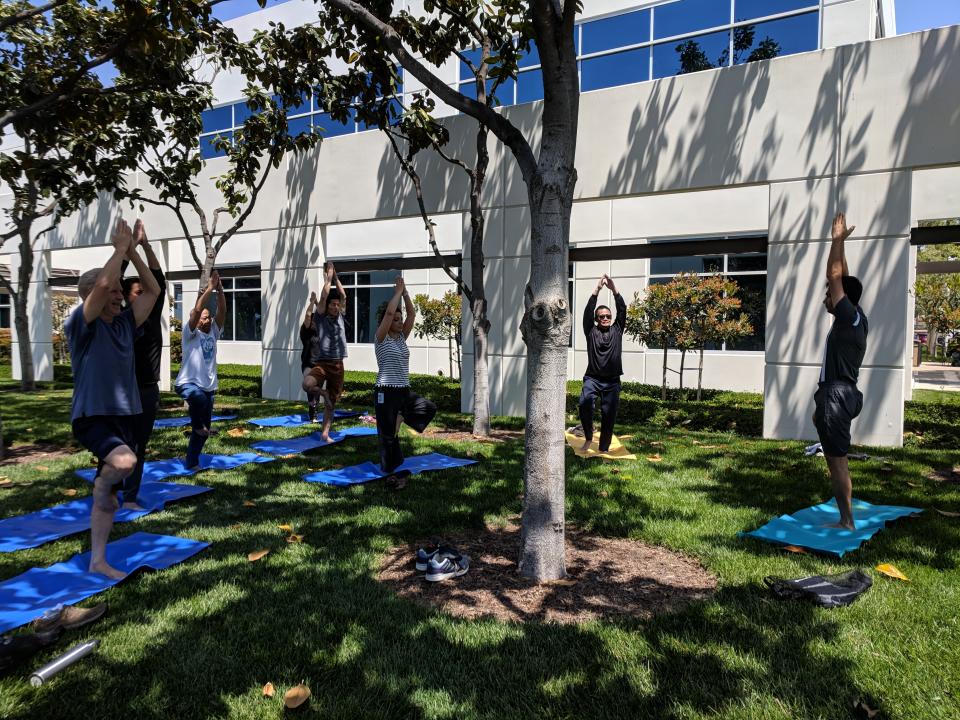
pixel 176 347
pixel 6 344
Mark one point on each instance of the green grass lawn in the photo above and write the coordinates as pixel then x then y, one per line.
pixel 199 640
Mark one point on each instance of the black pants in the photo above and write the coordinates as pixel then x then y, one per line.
pixel 837 404
pixel 142 430
pixel 609 393
pixel 390 402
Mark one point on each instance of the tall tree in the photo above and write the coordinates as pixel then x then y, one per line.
pixel 658 320
pixel 550 177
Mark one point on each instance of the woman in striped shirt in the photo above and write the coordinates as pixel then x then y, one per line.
pixel 394 401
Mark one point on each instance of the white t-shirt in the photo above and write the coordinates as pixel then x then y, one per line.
pixel 199 363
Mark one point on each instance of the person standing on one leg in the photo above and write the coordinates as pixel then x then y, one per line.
pixel 394 401
pixel 324 333
pixel 147 350
pixel 838 401
pixel 197 379
pixel 604 368
pixel 101 334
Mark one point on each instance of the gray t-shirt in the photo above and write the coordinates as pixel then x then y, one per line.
pixel 325 340
pixel 846 344
pixel 104 374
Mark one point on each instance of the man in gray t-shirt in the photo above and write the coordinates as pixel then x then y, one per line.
pixel 106 398
pixel 838 401
pixel 324 339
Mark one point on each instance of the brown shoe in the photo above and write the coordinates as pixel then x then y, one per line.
pixel 70 617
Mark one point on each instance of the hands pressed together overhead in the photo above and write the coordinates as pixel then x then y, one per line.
pixel 606 281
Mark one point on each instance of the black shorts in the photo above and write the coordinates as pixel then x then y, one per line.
pixel 102 434
pixel 837 404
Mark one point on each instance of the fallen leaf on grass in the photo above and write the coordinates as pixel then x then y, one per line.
pixel 795 549
pixel 286 528
pixel 269 690
pixel 891 571
pixel 628 477
pixel 237 432
pixel 294 538
pixel 947 513
pixel 249 503
pixel 236 526
pixel 5 482
pixel 655 443
pixel 565 582
pixel 604 493
pixel 288 455
pixel 912 484
pixel 69 492
pixel 886 467
pixel 614 471
pixel 654 458
pixel 40 467
pixel 296 696
pixel 254 556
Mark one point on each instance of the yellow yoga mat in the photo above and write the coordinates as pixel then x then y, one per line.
pixel 616 452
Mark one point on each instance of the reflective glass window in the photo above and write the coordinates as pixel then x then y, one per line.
pixel 752 291
pixel 330 127
pixel 687 16
pixel 241 112
pixel 220 118
pixel 749 9
pixel 617 69
pixel 474 57
pixel 207 149
pixel 396 110
pixel 298 125
pixel 617 31
pixel 691 55
pixel 531 57
pixel 775 38
pixel 748 262
pixel 529 86
pixel 504 90
pixel 673 265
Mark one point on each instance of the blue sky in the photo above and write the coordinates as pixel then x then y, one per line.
pixel 913 15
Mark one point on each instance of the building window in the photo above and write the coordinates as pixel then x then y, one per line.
pixel 243 323
pixel 178 301
pixel 4 311
pixel 749 270
pixel 366 292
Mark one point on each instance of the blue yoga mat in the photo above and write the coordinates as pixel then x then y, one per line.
pixel 176 422
pixel 805 528
pixel 27 596
pixel 159 469
pixel 53 523
pixel 311 441
pixel 298 420
pixel 370 471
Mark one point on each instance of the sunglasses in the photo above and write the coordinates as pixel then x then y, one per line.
pixel 604 317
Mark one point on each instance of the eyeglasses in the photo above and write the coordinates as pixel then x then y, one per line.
pixel 604 317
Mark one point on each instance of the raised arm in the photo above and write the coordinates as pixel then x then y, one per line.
pixel 836 261
pixel 591 306
pixel 143 304
pixel 387 320
pixel 327 282
pixel 343 293
pixel 311 308
pixel 109 276
pixel 221 302
pixel 202 300
pixel 409 313
pixel 621 321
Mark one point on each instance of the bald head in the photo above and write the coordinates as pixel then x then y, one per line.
pixel 87 281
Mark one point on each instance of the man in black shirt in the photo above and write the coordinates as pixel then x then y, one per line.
pixel 147 349
pixel 838 401
pixel 604 347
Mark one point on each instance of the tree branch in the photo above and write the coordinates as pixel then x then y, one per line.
pixel 253 199
pixel 407 164
pixel 506 131
pixel 19 17
pixel 183 224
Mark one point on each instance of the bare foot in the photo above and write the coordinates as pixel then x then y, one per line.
pixel 325 437
pixel 132 506
pixel 841 526
pixel 586 445
pixel 103 568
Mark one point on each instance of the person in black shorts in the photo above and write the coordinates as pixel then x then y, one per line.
pixel 147 350
pixel 106 401
pixel 838 401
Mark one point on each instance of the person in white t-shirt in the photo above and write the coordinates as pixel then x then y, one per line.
pixel 197 379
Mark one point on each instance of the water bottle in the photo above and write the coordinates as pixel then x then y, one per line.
pixel 43 674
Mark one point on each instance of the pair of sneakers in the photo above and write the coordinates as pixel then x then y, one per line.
pixel 441 562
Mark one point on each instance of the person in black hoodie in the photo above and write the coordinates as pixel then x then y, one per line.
pixel 602 379
pixel 147 350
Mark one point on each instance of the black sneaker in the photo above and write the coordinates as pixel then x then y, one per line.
pixel 425 555
pixel 446 568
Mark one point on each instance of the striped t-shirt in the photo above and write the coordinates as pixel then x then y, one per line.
pixel 393 362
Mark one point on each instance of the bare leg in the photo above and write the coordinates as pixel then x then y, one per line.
pixel 327 416
pixel 842 490
pixel 117 466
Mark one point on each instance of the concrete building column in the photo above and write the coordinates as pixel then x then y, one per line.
pixel 40 313
pixel 163 255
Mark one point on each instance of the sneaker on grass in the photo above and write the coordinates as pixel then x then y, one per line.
pixel 425 555
pixel 446 568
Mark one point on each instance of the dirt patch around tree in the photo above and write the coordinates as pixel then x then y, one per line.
pixel 35 452
pixel 606 578
pixel 465 435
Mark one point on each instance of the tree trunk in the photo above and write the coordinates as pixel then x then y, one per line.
pixel 21 317
pixel 700 377
pixel 683 357
pixel 450 355
pixel 478 308
pixel 663 386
